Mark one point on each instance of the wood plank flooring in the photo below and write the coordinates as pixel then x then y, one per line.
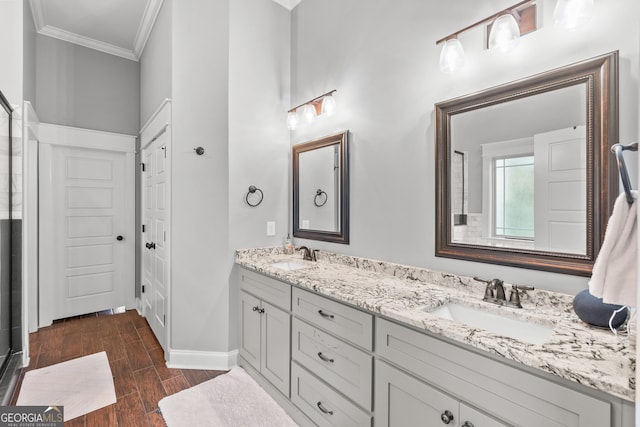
pixel 141 376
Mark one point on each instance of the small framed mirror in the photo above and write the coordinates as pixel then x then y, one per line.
pixel 321 189
pixel 524 176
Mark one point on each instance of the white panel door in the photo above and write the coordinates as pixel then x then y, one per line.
pixel 155 220
pixel 561 195
pixel 90 247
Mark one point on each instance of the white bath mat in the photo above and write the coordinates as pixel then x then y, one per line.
pixel 80 385
pixel 229 400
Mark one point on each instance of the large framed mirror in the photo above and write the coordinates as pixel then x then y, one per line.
pixel 524 176
pixel 321 189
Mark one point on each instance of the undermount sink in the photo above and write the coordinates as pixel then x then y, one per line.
pixel 521 330
pixel 289 265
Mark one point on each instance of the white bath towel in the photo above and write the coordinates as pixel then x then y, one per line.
pixel 615 272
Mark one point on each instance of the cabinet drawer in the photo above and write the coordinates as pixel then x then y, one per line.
pixel 345 322
pixel 323 404
pixel 509 394
pixel 343 366
pixel 265 288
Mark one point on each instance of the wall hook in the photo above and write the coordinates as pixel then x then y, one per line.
pixel 253 189
pixel 199 151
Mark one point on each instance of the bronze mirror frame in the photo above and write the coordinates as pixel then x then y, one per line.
pixel 341 236
pixel 600 77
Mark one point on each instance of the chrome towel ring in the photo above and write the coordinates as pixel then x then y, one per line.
pixel 253 189
pixel 318 200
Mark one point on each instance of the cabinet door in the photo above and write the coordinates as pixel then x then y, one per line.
pixel 401 401
pixel 469 417
pixel 276 346
pixel 250 329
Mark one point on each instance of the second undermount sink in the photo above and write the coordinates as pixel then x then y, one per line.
pixel 289 265
pixel 521 330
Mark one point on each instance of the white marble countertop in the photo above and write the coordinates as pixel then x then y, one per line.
pixel 575 351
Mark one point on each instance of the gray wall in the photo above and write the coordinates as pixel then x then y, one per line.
pixel 200 184
pixel 382 58
pixel 155 65
pixel 81 87
pixel 11 79
pixel 259 61
pixel 29 55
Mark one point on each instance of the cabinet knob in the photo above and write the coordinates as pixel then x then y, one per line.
pixel 119 238
pixel 323 409
pixel 261 311
pixel 446 416
pixel 256 308
pixel 467 424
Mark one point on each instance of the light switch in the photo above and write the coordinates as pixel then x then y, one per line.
pixel 271 228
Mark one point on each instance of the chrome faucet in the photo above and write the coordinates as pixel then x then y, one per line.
pixel 308 254
pixel 494 293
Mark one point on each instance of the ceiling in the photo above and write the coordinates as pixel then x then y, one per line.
pixel 117 27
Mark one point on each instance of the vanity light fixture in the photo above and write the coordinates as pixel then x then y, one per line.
pixel 323 104
pixel 506 26
pixel 571 14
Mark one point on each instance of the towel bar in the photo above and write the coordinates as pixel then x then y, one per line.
pixel 622 167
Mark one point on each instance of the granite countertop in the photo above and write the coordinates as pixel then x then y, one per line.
pixel 575 351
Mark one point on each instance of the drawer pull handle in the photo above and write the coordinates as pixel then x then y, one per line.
pixel 323 409
pixel 325 315
pixel 467 424
pixel 446 417
pixel 256 308
pixel 261 311
pixel 326 359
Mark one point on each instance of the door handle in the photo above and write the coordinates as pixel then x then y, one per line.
pixel 150 245
pixel 119 238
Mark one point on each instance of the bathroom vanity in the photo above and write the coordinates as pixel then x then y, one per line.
pixel 348 341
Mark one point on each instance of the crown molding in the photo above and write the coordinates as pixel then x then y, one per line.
pixel 288 4
pixel 74 38
pixel 151 11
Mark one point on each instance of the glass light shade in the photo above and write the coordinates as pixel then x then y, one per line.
pixel 573 13
pixel 504 32
pixel 292 120
pixel 451 56
pixel 308 113
pixel 328 105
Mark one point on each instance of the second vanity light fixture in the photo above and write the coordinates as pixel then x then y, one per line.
pixel 307 112
pixel 506 28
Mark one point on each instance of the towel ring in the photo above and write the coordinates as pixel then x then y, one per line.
pixel 319 194
pixel 253 189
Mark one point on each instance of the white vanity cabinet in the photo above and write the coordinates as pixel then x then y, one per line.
pixel 454 379
pixel 331 371
pixel 265 327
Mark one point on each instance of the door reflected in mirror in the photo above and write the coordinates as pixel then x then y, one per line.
pixel 321 189
pixel 522 183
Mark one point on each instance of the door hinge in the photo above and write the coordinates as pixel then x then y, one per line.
pixel 165 151
pixel 142 167
pixel 143 228
pixel 164 319
pixel 164 235
pixel 143 289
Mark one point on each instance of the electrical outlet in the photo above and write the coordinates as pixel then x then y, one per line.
pixel 271 228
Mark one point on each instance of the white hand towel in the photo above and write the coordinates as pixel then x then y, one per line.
pixel 615 272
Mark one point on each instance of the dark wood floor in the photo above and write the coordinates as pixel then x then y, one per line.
pixel 141 377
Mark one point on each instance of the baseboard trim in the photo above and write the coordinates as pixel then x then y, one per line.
pixel 211 360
